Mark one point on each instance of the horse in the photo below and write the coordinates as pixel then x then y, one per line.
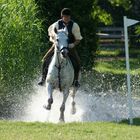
pixel 61 73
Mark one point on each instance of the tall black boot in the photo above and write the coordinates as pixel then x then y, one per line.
pixel 47 59
pixel 44 73
pixel 76 72
pixel 76 82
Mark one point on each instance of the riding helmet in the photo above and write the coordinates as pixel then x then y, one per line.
pixel 66 11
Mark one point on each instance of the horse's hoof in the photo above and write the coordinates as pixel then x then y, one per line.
pixel 50 101
pixel 48 107
pixel 61 120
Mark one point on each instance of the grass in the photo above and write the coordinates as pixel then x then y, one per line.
pixel 117 66
pixel 70 131
pixel 113 61
pixel 109 52
pixel 116 52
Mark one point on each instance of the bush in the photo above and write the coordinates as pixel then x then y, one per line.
pixel 19 48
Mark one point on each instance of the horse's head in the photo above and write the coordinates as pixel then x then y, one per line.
pixel 62 41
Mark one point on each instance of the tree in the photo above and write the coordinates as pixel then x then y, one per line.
pixel 111 12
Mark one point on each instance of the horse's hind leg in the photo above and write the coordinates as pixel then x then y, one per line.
pixel 62 108
pixel 73 109
pixel 50 97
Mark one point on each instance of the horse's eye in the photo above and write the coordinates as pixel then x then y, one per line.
pixel 57 39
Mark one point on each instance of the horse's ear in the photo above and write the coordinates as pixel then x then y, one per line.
pixel 55 30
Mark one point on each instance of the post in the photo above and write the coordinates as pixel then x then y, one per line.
pixel 128 72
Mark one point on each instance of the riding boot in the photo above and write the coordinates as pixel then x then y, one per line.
pixel 76 65
pixel 46 61
pixel 44 74
pixel 76 82
pixel 76 72
pixel 76 76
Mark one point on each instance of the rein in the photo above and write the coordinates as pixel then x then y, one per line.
pixel 59 69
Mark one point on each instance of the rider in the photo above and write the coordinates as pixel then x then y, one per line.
pixel 74 37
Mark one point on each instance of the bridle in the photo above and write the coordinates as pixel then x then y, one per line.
pixel 64 48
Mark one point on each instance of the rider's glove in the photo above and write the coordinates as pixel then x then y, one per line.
pixel 71 45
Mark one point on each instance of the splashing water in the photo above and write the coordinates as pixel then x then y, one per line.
pixel 90 106
pixel 101 97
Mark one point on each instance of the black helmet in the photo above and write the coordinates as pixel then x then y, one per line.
pixel 65 11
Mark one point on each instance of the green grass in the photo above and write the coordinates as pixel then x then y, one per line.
pixel 116 52
pixel 108 52
pixel 118 66
pixel 69 131
pixel 112 61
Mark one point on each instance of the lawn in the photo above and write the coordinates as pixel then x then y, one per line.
pixel 118 66
pixel 113 61
pixel 10 130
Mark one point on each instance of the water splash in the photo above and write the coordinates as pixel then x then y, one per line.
pixel 91 106
pixel 101 97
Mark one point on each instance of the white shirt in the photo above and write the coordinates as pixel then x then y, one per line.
pixel 75 31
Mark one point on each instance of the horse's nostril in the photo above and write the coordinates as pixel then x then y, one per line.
pixel 63 53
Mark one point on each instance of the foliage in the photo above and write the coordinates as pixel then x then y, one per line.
pixel 138 30
pixel 19 47
pixel 124 3
pixel 111 11
pixel 135 14
pixel 102 15
pixel 138 33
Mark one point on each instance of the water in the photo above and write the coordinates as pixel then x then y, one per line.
pixel 90 106
pixel 101 97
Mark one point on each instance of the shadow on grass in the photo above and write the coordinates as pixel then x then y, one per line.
pixel 136 121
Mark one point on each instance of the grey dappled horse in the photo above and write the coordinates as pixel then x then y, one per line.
pixel 60 73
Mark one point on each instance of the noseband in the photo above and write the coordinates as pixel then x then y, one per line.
pixel 64 48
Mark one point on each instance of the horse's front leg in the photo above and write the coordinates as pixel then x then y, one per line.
pixel 50 96
pixel 73 109
pixel 62 108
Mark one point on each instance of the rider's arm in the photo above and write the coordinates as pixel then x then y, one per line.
pixel 77 34
pixel 51 32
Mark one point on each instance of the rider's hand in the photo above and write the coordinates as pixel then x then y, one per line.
pixel 71 45
pixel 55 43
